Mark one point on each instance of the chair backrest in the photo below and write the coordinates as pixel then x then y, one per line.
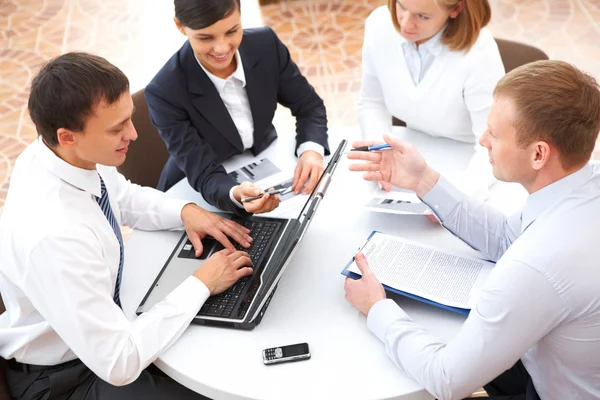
pixel 148 154
pixel 397 122
pixel 515 54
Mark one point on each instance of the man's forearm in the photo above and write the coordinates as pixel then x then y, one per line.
pixel 482 227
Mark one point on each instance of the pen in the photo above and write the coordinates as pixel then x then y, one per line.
pixel 373 148
pixel 260 196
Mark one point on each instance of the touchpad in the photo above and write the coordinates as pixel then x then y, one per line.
pixel 208 245
pixel 188 251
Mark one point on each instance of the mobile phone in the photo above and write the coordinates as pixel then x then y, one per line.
pixel 281 354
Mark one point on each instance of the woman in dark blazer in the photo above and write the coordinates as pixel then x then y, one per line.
pixel 216 97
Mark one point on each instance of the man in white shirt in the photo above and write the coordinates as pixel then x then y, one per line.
pixel 535 330
pixel 61 250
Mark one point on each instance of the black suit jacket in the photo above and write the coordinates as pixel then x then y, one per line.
pixel 193 121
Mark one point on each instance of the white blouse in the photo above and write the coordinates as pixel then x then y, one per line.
pixel 450 97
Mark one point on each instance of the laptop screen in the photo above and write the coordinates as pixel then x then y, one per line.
pixel 328 170
pixel 311 205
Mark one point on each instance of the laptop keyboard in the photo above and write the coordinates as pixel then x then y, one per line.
pixel 260 232
pixel 244 290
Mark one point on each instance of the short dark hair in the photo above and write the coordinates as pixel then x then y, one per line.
pixel 199 14
pixel 65 91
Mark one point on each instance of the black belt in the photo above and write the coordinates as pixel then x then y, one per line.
pixel 28 368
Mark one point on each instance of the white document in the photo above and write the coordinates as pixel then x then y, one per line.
pixel 397 201
pixel 425 271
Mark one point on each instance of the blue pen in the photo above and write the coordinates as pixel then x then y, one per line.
pixel 373 148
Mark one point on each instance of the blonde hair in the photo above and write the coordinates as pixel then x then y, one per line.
pixel 463 31
pixel 556 103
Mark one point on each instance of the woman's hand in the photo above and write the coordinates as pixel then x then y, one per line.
pixel 308 171
pixel 259 206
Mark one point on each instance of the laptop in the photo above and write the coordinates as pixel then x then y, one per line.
pixel 275 240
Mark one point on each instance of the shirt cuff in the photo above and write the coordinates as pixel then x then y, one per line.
pixel 382 315
pixel 314 146
pixel 190 294
pixel 442 198
pixel 171 212
pixel 237 203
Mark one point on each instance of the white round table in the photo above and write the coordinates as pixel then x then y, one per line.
pixel 348 362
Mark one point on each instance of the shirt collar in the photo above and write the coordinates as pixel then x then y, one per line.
pixel 237 74
pixel 540 201
pixel 433 46
pixel 83 179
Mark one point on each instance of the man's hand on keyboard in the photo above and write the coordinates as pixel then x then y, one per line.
pixel 200 223
pixel 223 269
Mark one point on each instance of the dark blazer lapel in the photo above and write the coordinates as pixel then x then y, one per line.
pixel 206 99
pixel 253 85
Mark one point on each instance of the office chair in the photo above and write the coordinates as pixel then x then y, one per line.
pixel 148 154
pixel 513 55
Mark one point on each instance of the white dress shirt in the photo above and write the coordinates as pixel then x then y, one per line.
pixel 233 93
pixel 59 259
pixel 540 304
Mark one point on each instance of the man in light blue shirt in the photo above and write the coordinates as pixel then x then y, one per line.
pixel 535 331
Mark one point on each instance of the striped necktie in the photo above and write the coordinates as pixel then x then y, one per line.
pixel 105 207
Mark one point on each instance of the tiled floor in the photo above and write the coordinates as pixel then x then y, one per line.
pixel 324 36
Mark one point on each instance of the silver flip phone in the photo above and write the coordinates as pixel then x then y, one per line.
pixel 281 354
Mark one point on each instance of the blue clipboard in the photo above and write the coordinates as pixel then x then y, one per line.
pixel 346 272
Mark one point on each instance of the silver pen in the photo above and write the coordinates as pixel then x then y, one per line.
pixel 260 196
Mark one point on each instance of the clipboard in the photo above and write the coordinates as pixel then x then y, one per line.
pixel 346 272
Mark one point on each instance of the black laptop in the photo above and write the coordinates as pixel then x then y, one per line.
pixel 243 305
